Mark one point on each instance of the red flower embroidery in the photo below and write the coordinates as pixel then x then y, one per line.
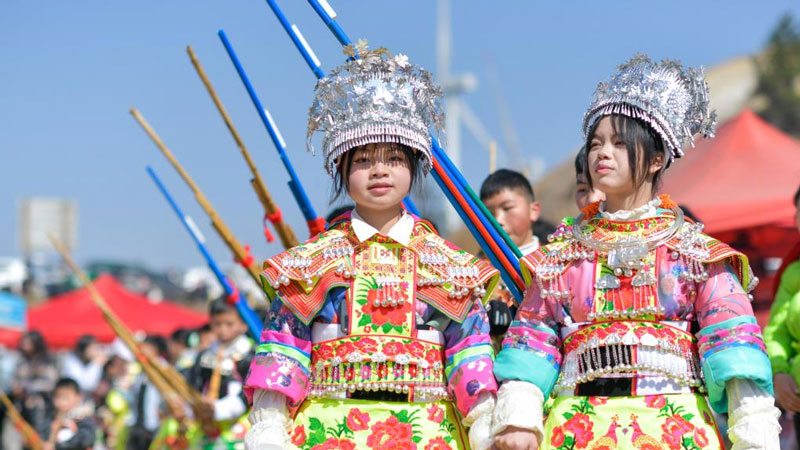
pixel 622 299
pixel 600 333
pixel 700 438
pixel 433 356
pixel 438 443
pixel 618 328
pixel 374 294
pixel 435 414
pixel 357 420
pixel 324 352
pixel 335 444
pixel 344 349
pixel 655 401
pixel 558 437
pixel 666 332
pixel 597 401
pixel 395 315
pixel 641 331
pixel 367 345
pixel 299 435
pixel 581 426
pixel 393 348
pixel 674 428
pixel 391 434
pixel 415 349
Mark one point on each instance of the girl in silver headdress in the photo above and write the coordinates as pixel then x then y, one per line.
pixel 376 336
pixel 635 321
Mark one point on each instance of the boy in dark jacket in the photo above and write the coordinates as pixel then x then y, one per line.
pixel 74 426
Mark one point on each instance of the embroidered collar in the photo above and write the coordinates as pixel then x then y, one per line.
pixel 646 211
pixel 527 249
pixel 400 232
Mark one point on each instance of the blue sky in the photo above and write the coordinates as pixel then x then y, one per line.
pixel 69 72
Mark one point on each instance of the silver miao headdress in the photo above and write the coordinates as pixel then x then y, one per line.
pixel 668 97
pixel 375 97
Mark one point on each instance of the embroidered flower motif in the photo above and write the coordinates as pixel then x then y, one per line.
pixel 393 348
pixel 557 438
pixel 344 349
pixel 655 401
pixel 700 438
pixel 415 349
pixel 435 413
pixel 597 401
pixel 335 444
pixel 299 435
pixel 324 352
pixel 379 357
pixel 674 428
pixel 581 426
pixel 438 443
pixel 357 420
pixel 366 345
pixel 391 434
pixel 395 315
pixel 667 284
pixel 433 356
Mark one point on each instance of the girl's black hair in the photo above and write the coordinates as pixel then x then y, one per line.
pixel 340 178
pixel 83 343
pixel 634 133
pixel 580 163
pixel 40 350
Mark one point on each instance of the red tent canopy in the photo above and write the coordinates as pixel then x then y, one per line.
pixel 66 317
pixel 744 177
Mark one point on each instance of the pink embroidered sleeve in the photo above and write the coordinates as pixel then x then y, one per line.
pixel 282 358
pixel 531 350
pixel 721 297
pixel 468 359
pixel 729 341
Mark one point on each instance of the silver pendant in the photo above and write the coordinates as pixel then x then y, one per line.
pixel 644 277
pixel 607 282
pixel 627 253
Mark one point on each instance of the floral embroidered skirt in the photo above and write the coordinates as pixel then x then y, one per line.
pixel 327 424
pixel 653 422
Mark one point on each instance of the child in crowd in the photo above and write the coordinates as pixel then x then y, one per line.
pixel 584 193
pixel 226 360
pixel 509 197
pixel 73 427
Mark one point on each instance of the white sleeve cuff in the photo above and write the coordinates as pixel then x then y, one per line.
pixel 479 421
pixel 752 416
pixel 519 404
pixel 270 419
pixel 265 401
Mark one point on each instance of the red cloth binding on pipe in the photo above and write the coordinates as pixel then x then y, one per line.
pixel 234 295
pixel 316 226
pixel 267 233
pixel 248 258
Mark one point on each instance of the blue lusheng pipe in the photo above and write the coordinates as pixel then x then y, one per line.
pixel 250 318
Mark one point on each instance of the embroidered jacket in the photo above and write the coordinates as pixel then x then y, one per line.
pixel 376 315
pixel 678 315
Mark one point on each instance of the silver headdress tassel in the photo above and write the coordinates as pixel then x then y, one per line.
pixel 672 99
pixel 375 98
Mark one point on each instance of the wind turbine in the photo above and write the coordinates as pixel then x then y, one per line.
pixel 458 112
